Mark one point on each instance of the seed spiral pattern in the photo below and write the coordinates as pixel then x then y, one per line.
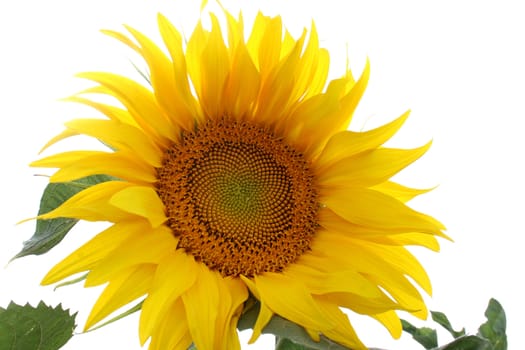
pixel 239 199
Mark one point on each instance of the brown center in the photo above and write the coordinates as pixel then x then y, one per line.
pixel 239 199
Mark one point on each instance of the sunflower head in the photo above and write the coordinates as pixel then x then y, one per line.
pixel 234 173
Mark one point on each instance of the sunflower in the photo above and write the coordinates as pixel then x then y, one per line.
pixel 235 176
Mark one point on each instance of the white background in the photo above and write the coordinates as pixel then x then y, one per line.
pixel 459 65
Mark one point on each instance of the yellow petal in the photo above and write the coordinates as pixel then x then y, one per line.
pixel 264 43
pixel 360 305
pixel 391 322
pixel 121 136
pixel 88 255
pixel 214 64
pixel 291 299
pixel 163 81
pixel 235 31
pixel 126 287
pixel 216 302
pixel 233 294
pixel 92 204
pixel 176 273
pixel 367 259
pixel 202 308
pixel 148 248
pixel 241 90
pixel 123 39
pixel 194 49
pixel 350 101
pixel 313 68
pixel 343 280
pixel 172 331
pixel 399 192
pixel 63 135
pixel 347 143
pixel 343 333
pixel 325 123
pixel 140 103
pixel 122 165
pixel 265 314
pixel 400 259
pixel 142 201
pixel 377 210
pixel 275 97
pixel 406 239
pixel 188 110
pixel 114 113
pixel 371 168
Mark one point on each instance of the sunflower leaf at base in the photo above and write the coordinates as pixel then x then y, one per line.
pixel 37 328
pixel 494 329
pixel 424 335
pixel 287 344
pixel 442 319
pixel 469 342
pixel 49 233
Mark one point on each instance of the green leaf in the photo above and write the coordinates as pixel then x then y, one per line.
pixel 49 233
pixel 287 344
pixel 470 342
pixel 285 329
pixel 494 329
pixel 442 320
pixel 35 328
pixel 424 335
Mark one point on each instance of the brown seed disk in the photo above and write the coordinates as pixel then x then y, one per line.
pixel 239 199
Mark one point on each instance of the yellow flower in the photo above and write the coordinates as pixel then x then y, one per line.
pixel 237 175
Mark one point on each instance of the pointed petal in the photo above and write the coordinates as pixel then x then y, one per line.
pixel 233 294
pixel 214 301
pixel 126 287
pixel 121 136
pixel 333 252
pixel 63 135
pixel 399 192
pixel 188 109
pixel 142 201
pixel 276 93
pixel 344 280
pixel 89 255
pixel 122 165
pixel 242 86
pixel 264 43
pixel 202 308
pixel 343 333
pixel 92 204
pixel 215 66
pixel 291 299
pixel 371 168
pixel 164 80
pixel 377 210
pixel 391 322
pixel 347 143
pixel 409 238
pixel 176 273
pixel 172 331
pixel 159 242
pixel 123 39
pixel 265 314
pixel 113 113
pixel 141 104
